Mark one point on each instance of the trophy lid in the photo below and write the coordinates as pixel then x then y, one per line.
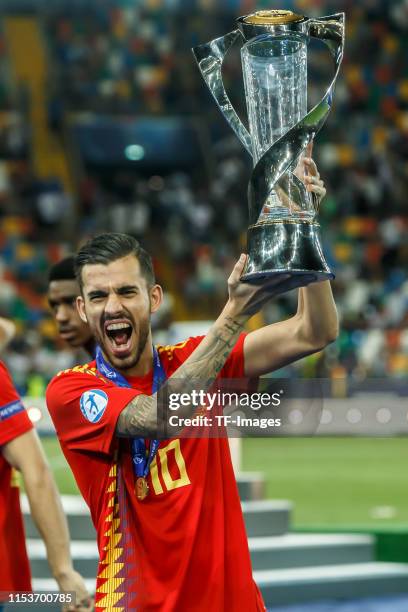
pixel 273 22
pixel 272 17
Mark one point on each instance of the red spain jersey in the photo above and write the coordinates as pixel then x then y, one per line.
pixel 14 421
pixel 182 548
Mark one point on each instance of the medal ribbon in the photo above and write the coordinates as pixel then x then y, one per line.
pixel 141 462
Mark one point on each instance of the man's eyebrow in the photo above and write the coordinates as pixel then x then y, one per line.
pixel 97 293
pixel 125 288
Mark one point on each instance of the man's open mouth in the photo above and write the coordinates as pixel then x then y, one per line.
pixel 119 334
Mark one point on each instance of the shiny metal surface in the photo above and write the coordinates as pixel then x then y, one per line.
pixel 268 254
pixel 286 248
pixel 210 57
pixel 252 30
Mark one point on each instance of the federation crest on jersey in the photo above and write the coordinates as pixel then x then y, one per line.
pixel 93 404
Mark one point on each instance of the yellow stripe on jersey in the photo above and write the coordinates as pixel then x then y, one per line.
pixel 83 369
pixel 111 563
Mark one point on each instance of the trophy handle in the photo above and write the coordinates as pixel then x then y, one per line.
pixel 330 30
pixel 210 57
pixel 286 151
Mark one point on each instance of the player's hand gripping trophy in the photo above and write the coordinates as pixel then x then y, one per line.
pixel 283 234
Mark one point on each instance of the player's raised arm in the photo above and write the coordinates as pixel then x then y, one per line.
pixel 140 416
pixel 313 327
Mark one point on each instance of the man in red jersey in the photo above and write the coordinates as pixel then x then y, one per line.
pixel 20 450
pixel 171 534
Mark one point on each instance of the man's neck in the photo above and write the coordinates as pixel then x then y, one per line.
pixel 145 363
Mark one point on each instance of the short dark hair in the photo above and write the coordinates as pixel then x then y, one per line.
pixel 108 247
pixel 63 270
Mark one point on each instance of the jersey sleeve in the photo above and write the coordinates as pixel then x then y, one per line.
pixel 14 420
pixel 174 356
pixel 84 409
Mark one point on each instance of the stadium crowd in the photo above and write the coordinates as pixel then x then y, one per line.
pixel 136 59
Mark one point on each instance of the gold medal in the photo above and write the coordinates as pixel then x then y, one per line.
pixel 142 488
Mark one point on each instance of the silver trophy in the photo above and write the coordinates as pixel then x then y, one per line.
pixel 283 233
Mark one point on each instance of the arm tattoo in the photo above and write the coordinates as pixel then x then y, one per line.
pixel 140 416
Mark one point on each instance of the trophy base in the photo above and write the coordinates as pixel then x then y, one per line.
pixel 285 248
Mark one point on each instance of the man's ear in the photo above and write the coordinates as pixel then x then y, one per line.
pixel 156 298
pixel 80 304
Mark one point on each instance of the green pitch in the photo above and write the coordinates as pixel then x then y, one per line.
pixel 347 482
pixel 333 482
